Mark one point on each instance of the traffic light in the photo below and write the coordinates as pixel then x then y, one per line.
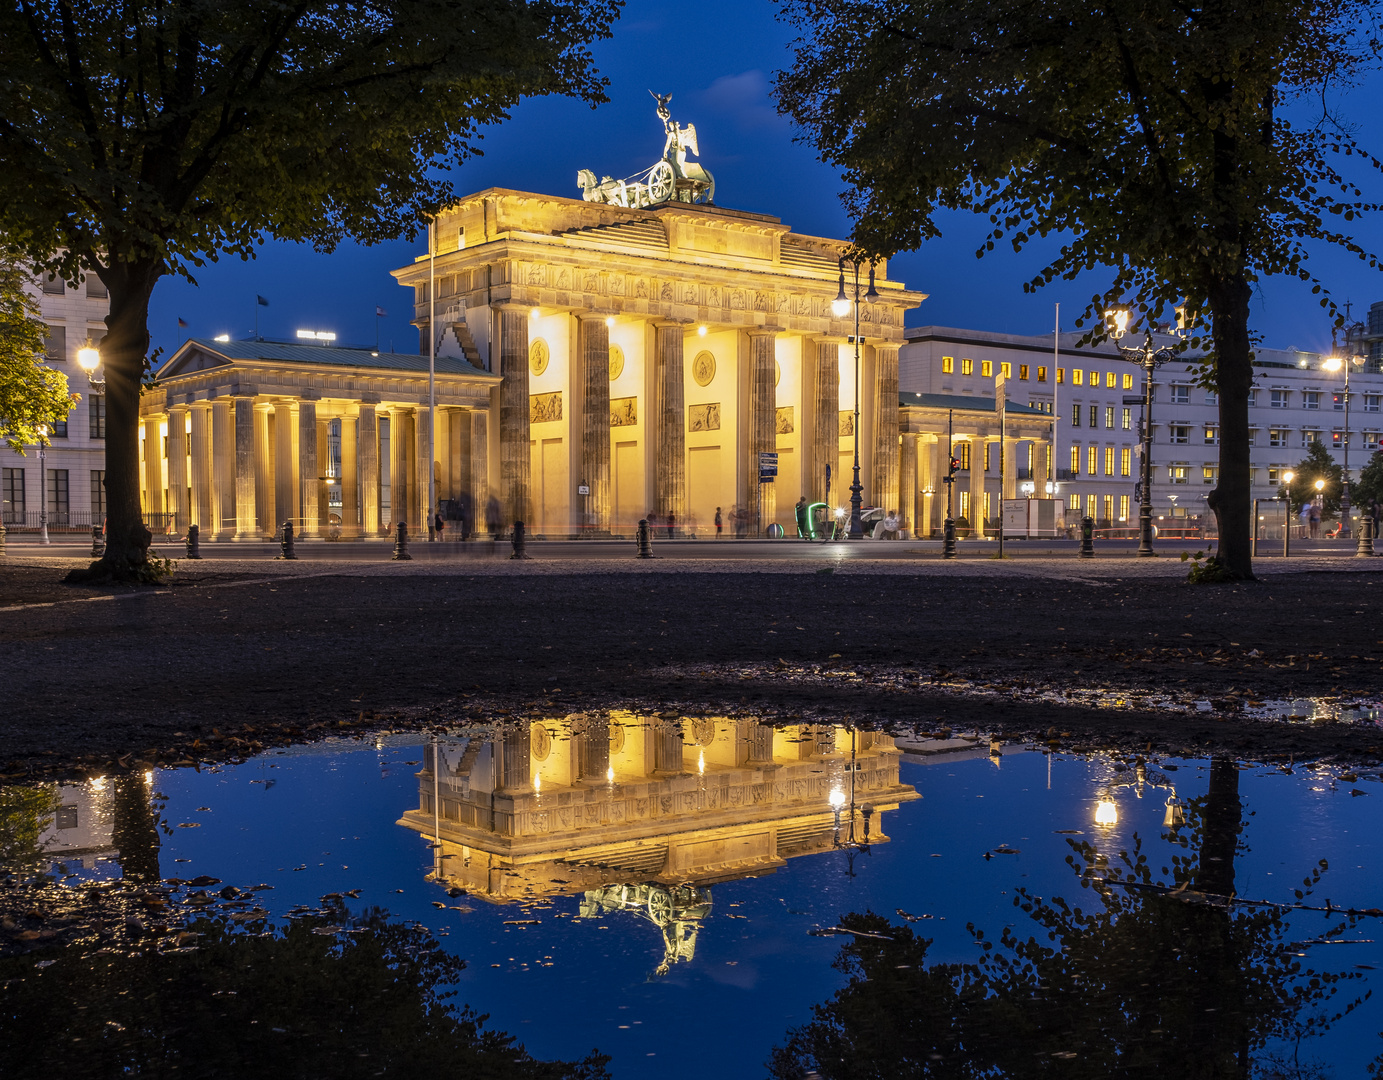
pixel 955 465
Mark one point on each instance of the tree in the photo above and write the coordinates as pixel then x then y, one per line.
pixel 142 139
pixel 1368 489
pixel 1150 136
pixel 1316 465
pixel 33 397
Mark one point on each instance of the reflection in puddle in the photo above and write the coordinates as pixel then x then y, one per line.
pixel 593 880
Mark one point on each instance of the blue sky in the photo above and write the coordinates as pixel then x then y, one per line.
pixel 717 58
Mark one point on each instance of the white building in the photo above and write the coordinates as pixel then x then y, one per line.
pixel 73 480
pixel 1095 399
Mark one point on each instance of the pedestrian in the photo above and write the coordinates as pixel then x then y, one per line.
pixel 464 512
pixel 720 524
pixel 439 525
pixel 492 517
pixel 671 524
pixel 804 527
pixel 1315 522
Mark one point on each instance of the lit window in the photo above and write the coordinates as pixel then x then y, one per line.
pixel 987 446
pixel 1126 462
pixel 1042 377
pixel 1309 437
pixel 1212 436
pixel 1128 380
pixel 1094 378
pixel 1128 419
pixel 1090 507
pixel 1179 474
pixel 986 369
pixel 1209 474
pixel 1022 372
pixel 1075 461
pixel 1109 509
pixel 1073 503
pixel 1337 439
pixel 1337 401
pixel 1109 416
pixel 1077 377
pixel 967 367
pixel 1109 380
pixel 1277 436
pixel 1123 507
pixel 1075 414
pixel 948 365
pixel 1060 375
pixel 1274 474
pixel 1109 461
pixel 964 456
pixel 1092 461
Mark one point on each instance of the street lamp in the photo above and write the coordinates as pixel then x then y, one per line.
pixel 840 307
pixel 89 358
pixel 1287 479
pixel 1149 357
pixel 43 484
pixel 1335 364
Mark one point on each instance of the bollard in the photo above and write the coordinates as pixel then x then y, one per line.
pixel 1365 547
pixel 401 544
pixel 645 538
pixel 2 538
pixel 194 542
pixel 97 548
pixel 1087 537
pixel 285 543
pixel 948 539
pixel 518 541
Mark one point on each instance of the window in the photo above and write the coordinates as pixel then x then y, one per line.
pixel 1278 399
pixel 1075 415
pixel 1128 380
pixel 96 415
pixel 1092 461
pixel 1253 436
pixel 1094 416
pixel 1077 377
pixel 1212 435
pixel 1090 501
pixel 1109 509
pixel 1371 402
pixel 1123 507
pixel 1023 372
pixel 1110 380
pixel 95 287
pixel 1212 398
pixel 1181 394
pixel 1337 438
pixel 964 456
pixel 1179 473
pixel 1309 437
pixel 12 492
pixel 967 367
pixel 986 369
pixel 965 505
pixel 1209 474
pixel 1042 377
pixel 98 495
pixel 1109 416
pixel 1277 436
pixel 1006 370
pixel 1073 503
pixel 948 365
pixel 1126 462
pixel 1109 461
pixel 1337 401
pixel 1094 378
pixel 1075 461
pixel 57 494
pixel 1253 394
pixel 1274 474
pixel 1310 399
pixel 987 447
pixel 1060 375
pixel 1127 424
pixel 1181 433
pixel 56 346
pixel 59 430
pixel 54 286
pixel 460 238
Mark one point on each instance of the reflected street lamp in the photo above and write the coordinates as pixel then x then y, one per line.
pixel 1335 364
pixel 840 307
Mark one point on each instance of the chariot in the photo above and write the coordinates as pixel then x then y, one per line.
pixel 673 179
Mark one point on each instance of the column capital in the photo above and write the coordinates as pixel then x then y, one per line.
pixel 828 339
pixel 762 331
pixel 594 316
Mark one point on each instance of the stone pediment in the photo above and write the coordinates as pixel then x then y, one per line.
pixel 191 358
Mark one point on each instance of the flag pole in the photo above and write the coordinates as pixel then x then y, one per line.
pixel 431 372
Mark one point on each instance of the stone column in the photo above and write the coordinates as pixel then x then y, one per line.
pixel 246 510
pixel 423 464
pixel 153 473
pixel 199 501
pixel 825 448
pixel 761 428
pixel 223 469
pixel 458 437
pixel 265 487
pixel 907 482
pixel 285 475
pixel 1037 455
pixel 1008 482
pixel 593 373
pixel 595 749
pixel 516 757
pixel 308 472
pixel 929 507
pixel 350 480
pixel 977 478
pixel 667 747
pixel 514 454
pixel 400 490
pixel 885 472
pixel 177 468
pixel 480 466
pixel 670 383
pixel 367 464
pixel 323 462
pixel 758 743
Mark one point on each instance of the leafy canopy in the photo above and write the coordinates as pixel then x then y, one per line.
pixel 33 396
pixel 1316 465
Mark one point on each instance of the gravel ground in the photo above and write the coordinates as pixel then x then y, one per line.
pixel 238 655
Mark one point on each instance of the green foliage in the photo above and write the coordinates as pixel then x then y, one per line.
pixel 1316 465
pixel 1368 489
pixel 289 1003
pixel 1210 572
pixel 24 813
pixel 33 396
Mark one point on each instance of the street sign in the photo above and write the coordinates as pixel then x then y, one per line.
pixel 768 467
pixel 583 489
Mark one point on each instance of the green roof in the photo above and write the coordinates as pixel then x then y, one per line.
pixel 330 354
pixel 964 403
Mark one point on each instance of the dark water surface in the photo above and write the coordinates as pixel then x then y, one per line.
pixel 676 894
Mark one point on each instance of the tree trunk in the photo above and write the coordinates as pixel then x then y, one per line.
pixel 1232 497
pixel 123 353
pixel 134 830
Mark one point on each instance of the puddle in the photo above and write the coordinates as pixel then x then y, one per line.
pixel 679 895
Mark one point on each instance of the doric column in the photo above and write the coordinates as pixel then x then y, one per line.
pixel 265 468
pixel 199 500
pixel 825 448
pixel 246 508
pixel 593 373
pixel 153 473
pixel 424 462
pixel 1008 482
pixel 350 480
pixel 223 469
pixel 177 468
pixel 669 380
pixel 458 447
pixel 285 474
pixel 515 757
pixel 761 428
pixel 400 490
pixel 367 463
pixel 667 747
pixel 758 743
pixel 930 507
pixel 514 455
pixel 977 478
pixel 595 748
pixel 308 473
pixel 1037 457
pixel 907 482
pixel 323 463
pixel 885 471
pixel 480 466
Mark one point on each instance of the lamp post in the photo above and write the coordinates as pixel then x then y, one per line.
pixel 1287 479
pixel 43 484
pixel 1334 364
pixel 840 307
pixel 1149 357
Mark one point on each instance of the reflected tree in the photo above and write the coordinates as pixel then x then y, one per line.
pixel 134 831
pixel 1161 974
pixel 24 813
pixel 302 1002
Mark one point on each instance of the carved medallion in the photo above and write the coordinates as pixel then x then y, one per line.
pixel 704 731
pixel 538 356
pixel 703 368
pixel 777 373
pixel 616 738
pixel 616 362
pixel 540 742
